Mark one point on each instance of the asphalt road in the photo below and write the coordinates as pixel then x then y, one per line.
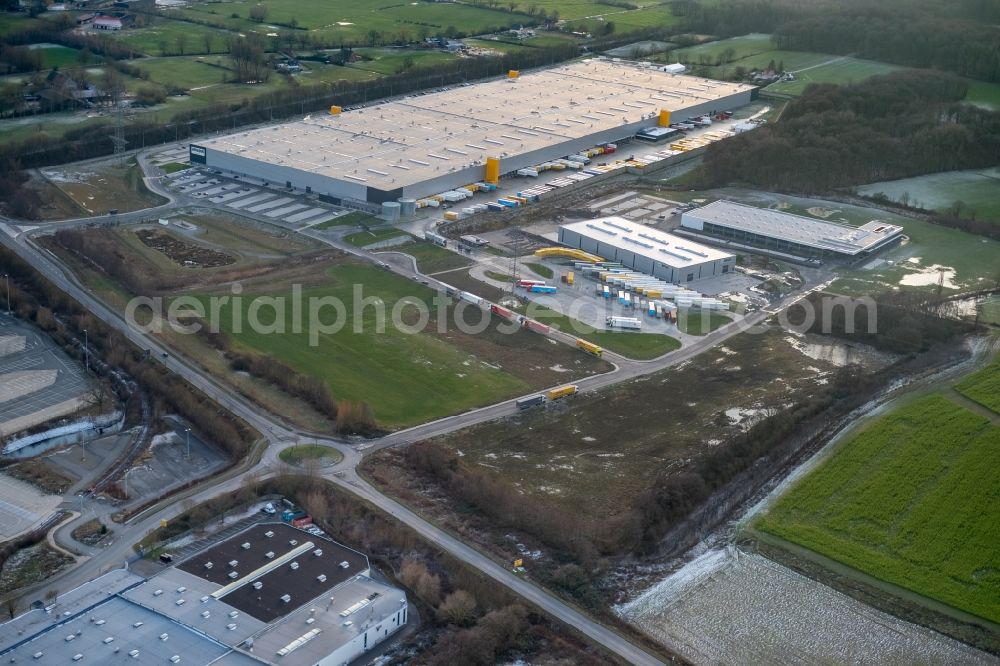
pixel 278 434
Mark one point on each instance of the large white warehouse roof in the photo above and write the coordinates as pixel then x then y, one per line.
pixel 659 246
pixel 417 138
pixel 819 234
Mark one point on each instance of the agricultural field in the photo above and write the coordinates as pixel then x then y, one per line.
pixel 983 386
pixel 833 69
pixel 594 452
pixel 910 500
pixel 733 607
pixel 977 189
pixel 755 51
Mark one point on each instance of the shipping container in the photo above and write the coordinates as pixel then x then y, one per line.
pixel 537 327
pixel 628 323
pixel 530 401
pixel 570 277
pixel 562 391
pixel 502 311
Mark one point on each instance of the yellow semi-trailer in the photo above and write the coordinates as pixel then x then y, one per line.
pixel 562 391
pixel 589 347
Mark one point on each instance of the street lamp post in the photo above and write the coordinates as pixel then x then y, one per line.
pixel 86 349
pixel 6 280
pixel 187 431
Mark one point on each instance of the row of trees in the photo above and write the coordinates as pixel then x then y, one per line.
pixel 903 124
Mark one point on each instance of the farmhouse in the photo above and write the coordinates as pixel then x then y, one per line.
pixel 427 144
pixel 106 23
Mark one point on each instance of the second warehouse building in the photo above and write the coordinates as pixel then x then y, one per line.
pixel 657 253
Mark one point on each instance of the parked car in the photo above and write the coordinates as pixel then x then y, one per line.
pixel 269 509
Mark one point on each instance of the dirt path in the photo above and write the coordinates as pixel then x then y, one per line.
pixel 973 406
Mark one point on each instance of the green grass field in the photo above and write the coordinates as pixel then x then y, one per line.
pixel 407 379
pixel 839 70
pixel 541 269
pixel 710 52
pixel 392 61
pixel 701 322
pixel 300 454
pixel 911 500
pixel 639 346
pixel 362 238
pixel 433 258
pixel 986 95
pixel 978 189
pixel 983 386
pixel 174 167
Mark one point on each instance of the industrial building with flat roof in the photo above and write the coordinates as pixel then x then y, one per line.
pixel 651 251
pixel 422 145
pixel 789 234
pixel 271 594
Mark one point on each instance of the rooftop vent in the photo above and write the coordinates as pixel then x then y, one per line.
pixel 205 599
pixel 137 624
pixel 286 598
pixel 348 623
pixel 134 654
pixel 208 565
pixel 310 620
pixel 344 565
pixel 181 589
pixel 38 655
pixel 233 563
pixel 318 552
pixel 321 578
pixel 245 545
pixel 206 614
pixel 164 636
pixel 179 602
pixel 257 585
pixel 99 622
pixel 78 656
pixel 269 554
pixel 157 593
pixel 70 637
pixel 294 565
pixel 174 659
pixel 293 542
pixel 231 626
pixel 269 534
pixel 234 575
pixel 234 614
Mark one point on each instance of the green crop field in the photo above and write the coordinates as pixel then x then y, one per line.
pixel 977 189
pixel 911 500
pixel 392 61
pixel 407 379
pixel 54 55
pixel 710 52
pixel 983 386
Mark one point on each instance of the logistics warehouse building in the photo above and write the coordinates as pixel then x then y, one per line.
pixel 270 594
pixel 657 253
pixel 789 234
pixel 427 144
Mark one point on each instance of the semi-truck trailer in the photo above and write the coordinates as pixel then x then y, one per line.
pixel 627 323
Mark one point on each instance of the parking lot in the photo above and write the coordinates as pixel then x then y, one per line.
pixel 41 382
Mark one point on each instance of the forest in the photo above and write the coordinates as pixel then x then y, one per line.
pixel 908 123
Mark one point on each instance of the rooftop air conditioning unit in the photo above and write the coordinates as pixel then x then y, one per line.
pixel 286 598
